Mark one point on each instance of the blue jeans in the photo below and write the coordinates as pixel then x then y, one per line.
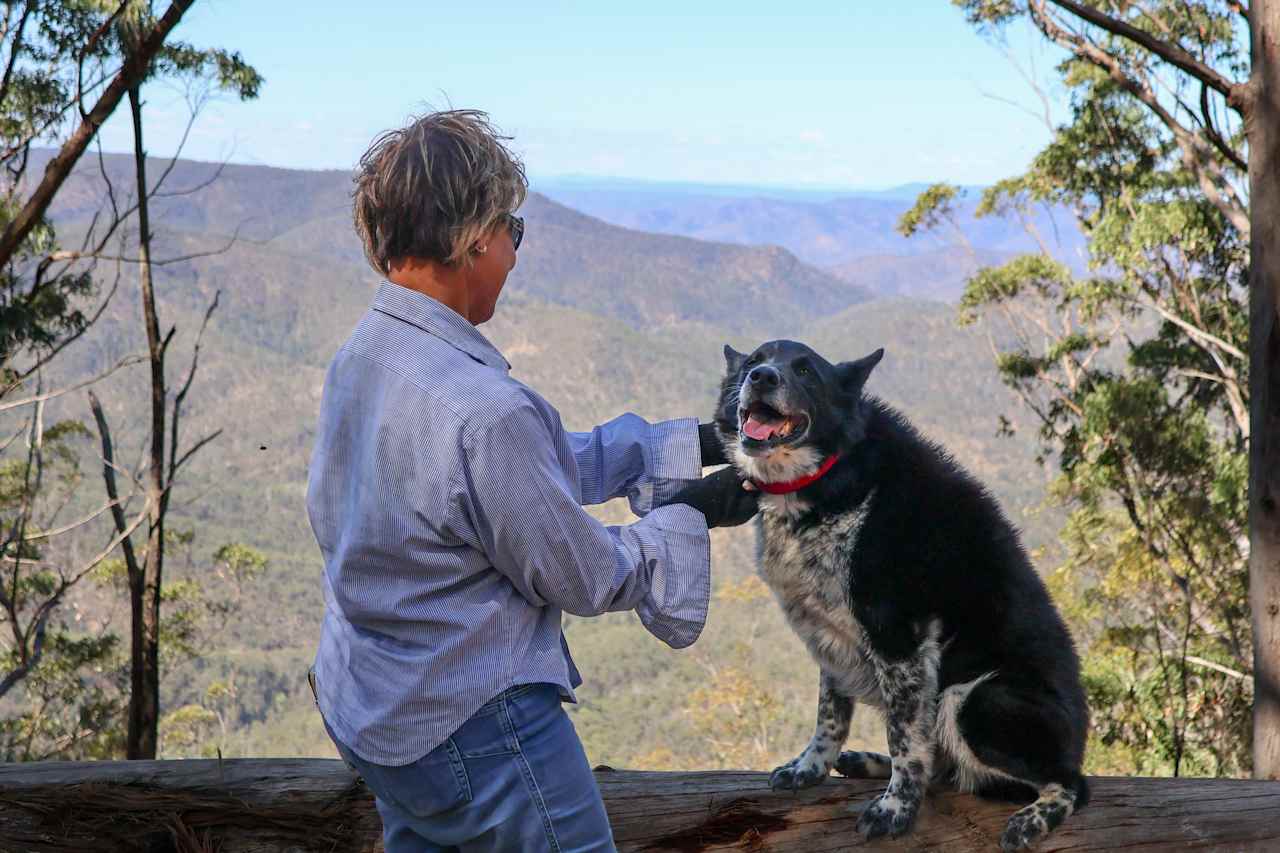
pixel 513 777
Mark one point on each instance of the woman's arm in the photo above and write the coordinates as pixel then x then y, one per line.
pixel 522 511
pixel 629 457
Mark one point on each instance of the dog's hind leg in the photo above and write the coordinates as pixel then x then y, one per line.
pixel 1009 739
pixel 864 765
pixel 1032 823
pixel 812 766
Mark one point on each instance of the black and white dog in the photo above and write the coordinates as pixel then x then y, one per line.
pixel 913 594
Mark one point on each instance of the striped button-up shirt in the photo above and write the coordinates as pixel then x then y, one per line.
pixel 447 498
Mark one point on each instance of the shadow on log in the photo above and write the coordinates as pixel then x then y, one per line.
pixel 261 805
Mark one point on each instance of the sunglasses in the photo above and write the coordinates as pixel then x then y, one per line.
pixel 516 225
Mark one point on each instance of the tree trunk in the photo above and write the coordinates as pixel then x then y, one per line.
pixel 1263 127
pixel 145 586
pixel 262 805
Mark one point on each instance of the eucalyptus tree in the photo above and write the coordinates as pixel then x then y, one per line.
pixel 1156 374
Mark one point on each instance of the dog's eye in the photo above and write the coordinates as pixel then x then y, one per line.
pixel 802 369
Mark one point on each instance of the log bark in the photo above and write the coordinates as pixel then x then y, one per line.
pixel 278 805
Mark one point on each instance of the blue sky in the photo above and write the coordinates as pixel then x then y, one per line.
pixel 863 94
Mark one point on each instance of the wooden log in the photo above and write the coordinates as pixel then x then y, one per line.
pixel 737 811
pixel 283 806
pixel 247 805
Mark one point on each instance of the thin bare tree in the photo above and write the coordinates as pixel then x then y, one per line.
pixel 146 575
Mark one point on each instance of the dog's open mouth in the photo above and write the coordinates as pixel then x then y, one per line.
pixel 764 426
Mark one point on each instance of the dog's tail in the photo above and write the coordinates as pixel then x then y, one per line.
pixel 1082 793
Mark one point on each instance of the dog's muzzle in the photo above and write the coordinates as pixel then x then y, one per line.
pixel 765 420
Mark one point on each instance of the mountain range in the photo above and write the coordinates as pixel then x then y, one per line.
pixel 851 236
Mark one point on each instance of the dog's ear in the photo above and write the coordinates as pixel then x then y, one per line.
pixel 733 360
pixel 853 374
pixel 726 417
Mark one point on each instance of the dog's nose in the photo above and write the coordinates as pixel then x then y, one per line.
pixel 764 376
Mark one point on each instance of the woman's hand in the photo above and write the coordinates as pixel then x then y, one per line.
pixel 724 498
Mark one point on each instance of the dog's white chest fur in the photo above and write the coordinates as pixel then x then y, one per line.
pixel 808 571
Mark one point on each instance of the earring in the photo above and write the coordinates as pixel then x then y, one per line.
pixel 480 250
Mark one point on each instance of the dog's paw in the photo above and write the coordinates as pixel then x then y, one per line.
pixel 864 765
pixel 802 771
pixel 1025 828
pixel 886 815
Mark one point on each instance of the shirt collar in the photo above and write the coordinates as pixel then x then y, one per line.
pixel 437 319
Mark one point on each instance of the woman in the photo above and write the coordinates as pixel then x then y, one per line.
pixel 447 498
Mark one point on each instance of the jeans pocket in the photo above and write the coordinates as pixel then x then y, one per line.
pixel 485 741
pixel 489 733
pixel 434 783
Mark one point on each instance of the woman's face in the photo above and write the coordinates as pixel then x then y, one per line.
pixel 489 273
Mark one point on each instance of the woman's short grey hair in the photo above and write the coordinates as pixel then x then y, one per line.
pixel 433 189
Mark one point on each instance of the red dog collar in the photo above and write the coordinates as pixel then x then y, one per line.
pixel 797 485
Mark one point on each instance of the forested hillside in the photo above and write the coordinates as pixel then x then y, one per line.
pixel 601 320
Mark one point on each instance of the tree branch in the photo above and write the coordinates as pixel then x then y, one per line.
pixel 186 386
pixel 195 188
pixel 37 651
pixel 120 539
pixel 60 166
pixel 1199 335
pixel 199 444
pixel 1199 661
pixel 1172 54
pixel 48 356
pixel 40 398
pixel 109 477
pixel 101 31
pixel 1212 132
pixel 1197 154
pixel 66 528
pixel 16 50
pixel 164 262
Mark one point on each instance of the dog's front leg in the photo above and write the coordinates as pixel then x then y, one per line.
pixel 910 691
pixel 812 766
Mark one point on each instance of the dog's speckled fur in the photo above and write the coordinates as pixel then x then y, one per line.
pixel 912 592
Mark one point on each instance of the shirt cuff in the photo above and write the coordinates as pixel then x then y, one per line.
pixel 672 457
pixel 675 610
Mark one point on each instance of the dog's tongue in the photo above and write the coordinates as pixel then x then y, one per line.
pixel 757 430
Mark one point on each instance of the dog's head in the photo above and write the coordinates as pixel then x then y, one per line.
pixel 783 408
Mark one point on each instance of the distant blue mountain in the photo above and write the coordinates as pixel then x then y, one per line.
pixel 827 228
pixel 591 183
